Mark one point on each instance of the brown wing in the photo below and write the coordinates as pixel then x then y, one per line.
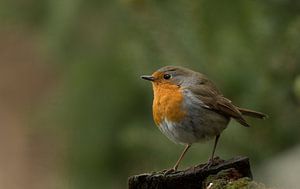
pixel 212 99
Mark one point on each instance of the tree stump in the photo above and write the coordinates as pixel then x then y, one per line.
pixel 192 178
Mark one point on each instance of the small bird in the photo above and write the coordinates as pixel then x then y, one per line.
pixel 188 108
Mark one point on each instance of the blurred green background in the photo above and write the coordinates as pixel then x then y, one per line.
pixel 75 114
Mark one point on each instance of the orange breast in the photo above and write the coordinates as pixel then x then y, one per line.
pixel 167 103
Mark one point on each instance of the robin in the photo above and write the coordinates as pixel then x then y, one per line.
pixel 188 108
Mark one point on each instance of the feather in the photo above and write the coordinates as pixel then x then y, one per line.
pixel 212 99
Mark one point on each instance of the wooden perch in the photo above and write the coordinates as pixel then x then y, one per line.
pixel 191 178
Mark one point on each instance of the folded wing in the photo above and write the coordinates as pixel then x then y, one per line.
pixel 212 99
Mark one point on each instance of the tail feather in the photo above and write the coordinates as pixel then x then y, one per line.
pixel 242 121
pixel 252 113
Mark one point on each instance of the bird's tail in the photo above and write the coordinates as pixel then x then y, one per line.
pixel 252 113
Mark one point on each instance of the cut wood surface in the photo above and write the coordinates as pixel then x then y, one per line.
pixel 190 178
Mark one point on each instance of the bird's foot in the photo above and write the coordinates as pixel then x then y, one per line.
pixel 169 171
pixel 209 163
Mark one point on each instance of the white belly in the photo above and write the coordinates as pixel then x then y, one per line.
pixel 189 134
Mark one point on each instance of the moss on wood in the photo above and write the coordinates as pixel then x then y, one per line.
pixel 231 179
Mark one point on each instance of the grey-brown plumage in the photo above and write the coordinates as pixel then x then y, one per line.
pixel 203 110
pixel 206 91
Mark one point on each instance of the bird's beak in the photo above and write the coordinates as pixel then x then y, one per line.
pixel 148 77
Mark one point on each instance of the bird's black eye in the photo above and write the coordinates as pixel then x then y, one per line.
pixel 167 76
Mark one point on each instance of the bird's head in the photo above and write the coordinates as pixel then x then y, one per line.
pixel 171 75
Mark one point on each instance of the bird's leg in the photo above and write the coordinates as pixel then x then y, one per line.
pixel 179 160
pixel 211 160
pixel 181 156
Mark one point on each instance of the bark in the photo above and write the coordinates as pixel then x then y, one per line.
pixel 194 177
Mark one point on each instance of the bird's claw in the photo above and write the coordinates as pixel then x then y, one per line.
pixel 169 171
pixel 208 164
